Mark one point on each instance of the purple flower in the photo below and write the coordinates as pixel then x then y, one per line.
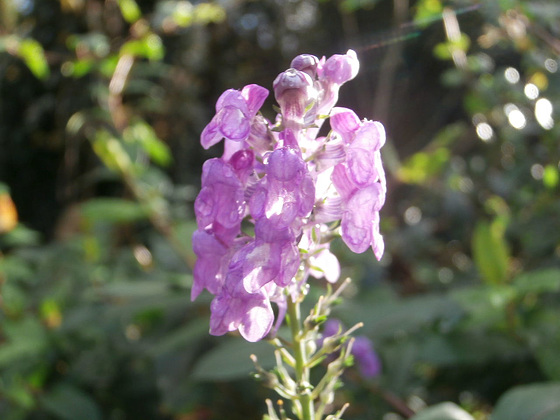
pixel 360 180
pixel 236 309
pixel 294 92
pixel 221 199
pixel 283 183
pixel 366 357
pixel 235 112
pixel 332 73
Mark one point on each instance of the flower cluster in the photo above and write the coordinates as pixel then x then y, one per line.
pixel 269 207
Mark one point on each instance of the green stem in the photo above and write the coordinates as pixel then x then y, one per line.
pixel 300 355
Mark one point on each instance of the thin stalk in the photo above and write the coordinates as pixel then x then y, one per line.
pixel 300 356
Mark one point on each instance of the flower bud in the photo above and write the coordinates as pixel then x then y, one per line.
pixel 306 63
pixel 294 91
pixel 341 68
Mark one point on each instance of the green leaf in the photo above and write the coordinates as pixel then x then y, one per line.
pixel 547 356
pixel 429 162
pixel 111 152
pixel 114 210
pixel 529 402
pixel 468 348
pixel 427 11
pixel 423 165
pixel 150 47
pixel 26 339
pixel 66 402
pixel 485 305
pixel 490 252
pixel 387 318
pixel 538 281
pixel 142 133
pixel 32 53
pixel 443 411
pixel 135 289
pixel 551 176
pixel 230 360
pixel 445 50
pixel 130 10
pixel 353 5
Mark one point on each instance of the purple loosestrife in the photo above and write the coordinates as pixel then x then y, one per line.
pixel 292 185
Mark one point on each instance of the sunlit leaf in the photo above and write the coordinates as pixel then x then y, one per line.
pixel 32 53
pixel 490 252
pixel 111 152
pixel 551 176
pixel 130 10
pixel 427 11
pixel 150 47
pixel 445 50
pixel 142 133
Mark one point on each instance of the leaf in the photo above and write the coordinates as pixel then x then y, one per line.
pixel 468 348
pixel 111 151
pixel 422 165
pixel 429 162
pixel 427 11
pixel 443 411
pixel 490 252
pixel 32 53
pixel 181 338
pixel 114 210
pixel 551 176
pixel 142 133
pixel 66 402
pixel 529 402
pixel 130 10
pixel 26 339
pixel 538 281
pixel 230 360
pixel 349 6
pixel 387 318
pixel 135 289
pixel 150 47
pixel 485 305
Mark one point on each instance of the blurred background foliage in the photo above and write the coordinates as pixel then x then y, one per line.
pixel 101 105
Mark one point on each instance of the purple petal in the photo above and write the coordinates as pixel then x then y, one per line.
pixel 255 96
pixel 377 243
pixel 342 181
pixel 286 165
pixel 261 265
pixel 234 124
pixel 207 269
pixel 257 320
pixel 211 134
pixel 361 165
pixel 344 121
pixel 232 98
pixel 368 360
